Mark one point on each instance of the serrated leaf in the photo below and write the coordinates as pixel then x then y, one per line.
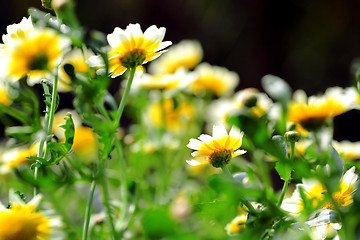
pixel 60 150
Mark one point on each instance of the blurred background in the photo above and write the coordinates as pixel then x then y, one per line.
pixel 310 44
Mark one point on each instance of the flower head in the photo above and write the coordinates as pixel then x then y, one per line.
pixel 77 58
pixel 130 48
pixel 21 221
pixel 314 111
pixel 217 149
pixel 236 225
pixel 14 157
pixel 176 116
pixel 348 150
pixel 169 81
pixel 186 54
pixel 250 99
pixel 32 52
pixel 217 80
pixel 315 191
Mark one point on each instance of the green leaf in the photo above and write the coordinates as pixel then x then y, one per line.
pixel 281 143
pixel 60 150
pixel 277 88
pixel 284 170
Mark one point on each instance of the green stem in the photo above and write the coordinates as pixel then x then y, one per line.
pixel 53 106
pixel 124 97
pixel 105 196
pixel 43 134
pixel 292 151
pixel 226 171
pixel 88 210
pixel 286 183
pixel 124 189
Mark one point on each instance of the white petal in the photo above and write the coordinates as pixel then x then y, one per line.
pixel 350 177
pixel 163 45
pixel 219 131
pixel 95 61
pixel 154 33
pixel 235 132
pixel 134 30
pixel 240 151
pixel 116 75
pixel 194 144
pixel 322 231
pixel 192 162
pixel 195 153
pixel 114 38
pixel 205 138
pixel 35 201
pixel 14 198
pixel 2 207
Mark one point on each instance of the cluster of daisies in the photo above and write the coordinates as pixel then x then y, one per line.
pixel 182 90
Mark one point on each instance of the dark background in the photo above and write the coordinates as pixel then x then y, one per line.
pixel 310 44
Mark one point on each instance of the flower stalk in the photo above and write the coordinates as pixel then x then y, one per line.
pixel 124 97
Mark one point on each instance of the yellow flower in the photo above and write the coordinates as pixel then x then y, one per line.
pixel 162 81
pixel 22 222
pixel 314 190
pixel 85 143
pixel 236 225
pixel 348 185
pixel 314 111
pixel 77 58
pixel 217 80
pixel 186 54
pixel 349 150
pixel 35 54
pixel 250 98
pixel 217 149
pixel 176 117
pixel 14 157
pixel 131 48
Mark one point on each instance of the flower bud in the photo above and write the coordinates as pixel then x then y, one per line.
pixel 292 136
pixel 46 4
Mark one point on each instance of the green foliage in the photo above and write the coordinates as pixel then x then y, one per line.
pixel 129 179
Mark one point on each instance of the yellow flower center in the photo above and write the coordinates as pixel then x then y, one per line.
pixel 134 58
pixel 22 223
pixel 35 55
pixel 219 158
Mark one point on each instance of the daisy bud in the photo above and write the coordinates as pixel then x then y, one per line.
pixel 292 136
pixel 46 4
